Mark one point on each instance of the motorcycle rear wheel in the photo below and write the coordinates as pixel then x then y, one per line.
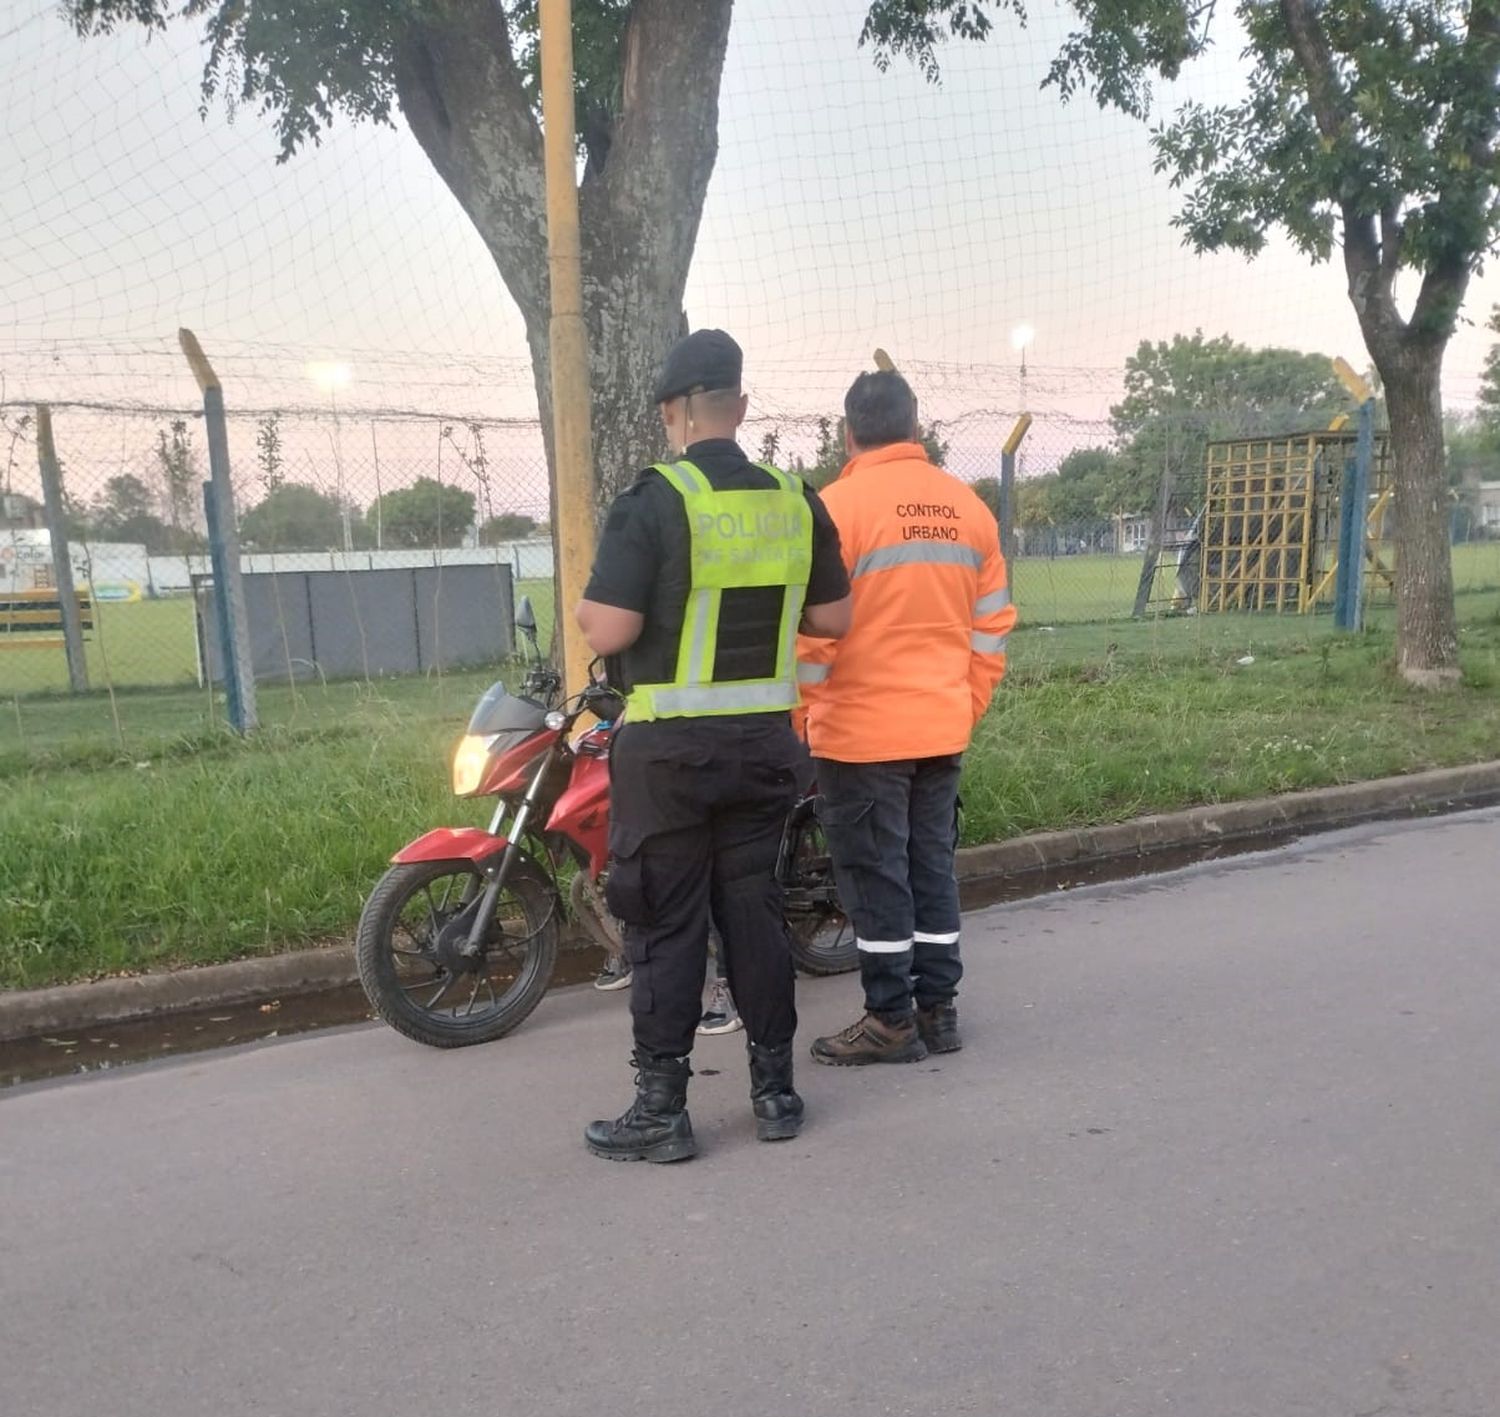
pixel 410 987
pixel 822 939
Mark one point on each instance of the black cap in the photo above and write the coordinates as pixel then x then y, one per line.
pixel 703 360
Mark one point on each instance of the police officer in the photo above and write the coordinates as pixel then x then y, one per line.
pixel 706 569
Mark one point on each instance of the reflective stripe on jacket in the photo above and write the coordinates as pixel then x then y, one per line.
pixel 931 614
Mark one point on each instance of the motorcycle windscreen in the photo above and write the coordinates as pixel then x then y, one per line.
pixel 500 711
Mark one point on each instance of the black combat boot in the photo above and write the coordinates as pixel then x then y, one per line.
pixel 656 1126
pixel 938 1025
pixel 778 1109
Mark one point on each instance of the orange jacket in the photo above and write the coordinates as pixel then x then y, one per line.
pixel 931 613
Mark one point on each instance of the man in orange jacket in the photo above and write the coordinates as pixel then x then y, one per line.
pixel 890 709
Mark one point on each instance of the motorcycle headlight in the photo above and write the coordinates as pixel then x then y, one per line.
pixel 469 762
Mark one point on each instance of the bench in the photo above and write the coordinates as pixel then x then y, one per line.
pixel 32 619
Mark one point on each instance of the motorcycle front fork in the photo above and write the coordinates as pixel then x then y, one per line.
pixel 474 920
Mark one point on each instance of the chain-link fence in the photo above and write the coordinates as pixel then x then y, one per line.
pixel 390 549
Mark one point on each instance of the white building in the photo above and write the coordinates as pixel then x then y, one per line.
pixel 108 570
pixel 1487 507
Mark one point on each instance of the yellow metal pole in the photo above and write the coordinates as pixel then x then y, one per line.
pixel 572 443
pixel 1359 389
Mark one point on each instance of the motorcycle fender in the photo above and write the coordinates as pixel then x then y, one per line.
pixel 451 844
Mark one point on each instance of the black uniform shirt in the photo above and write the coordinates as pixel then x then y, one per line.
pixel 644 564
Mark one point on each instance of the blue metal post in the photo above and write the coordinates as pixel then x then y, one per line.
pixel 1364 457
pixel 1341 617
pixel 1007 516
pixel 224 544
pixel 228 664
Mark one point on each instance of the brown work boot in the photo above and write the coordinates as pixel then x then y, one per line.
pixel 871 1040
pixel 938 1025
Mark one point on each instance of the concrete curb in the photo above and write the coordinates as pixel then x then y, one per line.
pixel 73 1006
pixel 1225 823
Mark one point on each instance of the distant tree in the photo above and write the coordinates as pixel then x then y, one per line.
pixel 830 455
pixel 428 513
pixel 1366 130
pixel 1091 485
pixel 1488 413
pixel 268 452
pixel 987 489
pixel 464 75
pixel 177 466
pixel 294 517
pixel 126 511
pixel 828 458
pixel 936 446
pixel 507 526
pixel 1183 393
pixel 1034 501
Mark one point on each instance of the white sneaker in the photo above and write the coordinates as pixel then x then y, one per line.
pixel 720 1016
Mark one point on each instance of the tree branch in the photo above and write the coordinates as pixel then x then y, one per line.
pixel 1392 233
pixel 666 137
pixel 1461 210
pixel 462 94
pixel 1330 105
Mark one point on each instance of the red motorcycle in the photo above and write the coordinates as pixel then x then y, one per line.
pixel 458 940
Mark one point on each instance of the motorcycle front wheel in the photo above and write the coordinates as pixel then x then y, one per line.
pixel 446 1002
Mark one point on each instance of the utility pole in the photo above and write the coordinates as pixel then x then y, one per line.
pixel 70 613
pixel 224 545
pixel 1354 506
pixel 572 441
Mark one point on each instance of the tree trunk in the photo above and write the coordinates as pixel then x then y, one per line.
pixel 640 200
pixel 1426 626
pixel 1156 534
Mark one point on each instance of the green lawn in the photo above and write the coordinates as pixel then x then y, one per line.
pixel 192 846
pixel 1066 590
pixel 153 643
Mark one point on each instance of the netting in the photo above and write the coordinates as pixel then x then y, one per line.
pixel 1011 253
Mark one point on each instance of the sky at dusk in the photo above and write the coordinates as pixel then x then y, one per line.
pixel 849 208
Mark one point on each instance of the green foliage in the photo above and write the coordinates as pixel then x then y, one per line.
pixel 177 465
pixel 1181 394
pixel 269 456
pixel 426 514
pixel 1184 393
pixel 598 50
pixel 915 28
pixel 1089 486
pixel 987 489
pixel 126 511
pixel 507 526
pixel 830 455
pixel 1373 111
pixel 298 62
pixel 295 517
pixel 1489 381
pixel 117 860
pixel 302 62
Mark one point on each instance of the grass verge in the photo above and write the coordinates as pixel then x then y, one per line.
pixel 193 847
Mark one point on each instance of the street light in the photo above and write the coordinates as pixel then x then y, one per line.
pixel 331 376
pixel 1020 340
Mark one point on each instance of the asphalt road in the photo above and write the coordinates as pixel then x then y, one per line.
pixel 1222 1143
